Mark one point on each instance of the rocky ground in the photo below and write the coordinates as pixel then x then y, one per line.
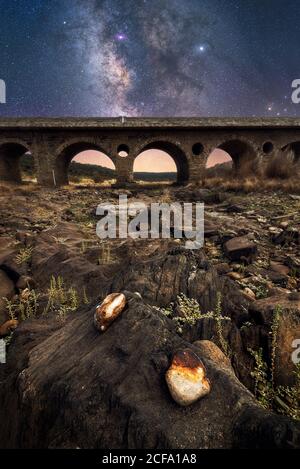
pixel 235 303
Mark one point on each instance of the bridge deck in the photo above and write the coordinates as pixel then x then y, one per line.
pixel 147 122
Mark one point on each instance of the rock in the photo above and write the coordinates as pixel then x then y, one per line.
pixel 235 275
pixel 109 310
pixel 294 264
pixel 8 327
pixel 186 378
pixel 109 391
pixel 7 290
pixel 50 252
pixel 235 208
pixel 25 282
pixel 287 236
pixel 210 229
pixel 279 268
pixel 250 293
pixel 275 277
pixel 240 248
pixel 262 312
pixel 7 287
pixel 210 351
pixel 222 268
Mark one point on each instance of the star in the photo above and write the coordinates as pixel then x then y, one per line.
pixel 121 37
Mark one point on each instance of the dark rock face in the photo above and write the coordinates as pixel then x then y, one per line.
pixel 57 247
pixel 104 391
pixel 262 312
pixel 160 279
pixel 7 289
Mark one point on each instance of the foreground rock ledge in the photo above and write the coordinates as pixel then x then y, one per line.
pixel 71 387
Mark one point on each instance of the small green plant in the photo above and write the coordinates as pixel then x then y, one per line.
pixel 261 292
pixel 274 332
pixel 59 240
pixel 61 299
pixel 282 399
pixel 24 255
pixel 219 318
pixel 288 397
pixel 85 297
pixel 190 313
pixel 262 387
pixel 246 325
pixel 83 247
pixel 10 308
pixel 105 254
pixel 26 307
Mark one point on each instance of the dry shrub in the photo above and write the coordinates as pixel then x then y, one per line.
pixel 281 167
pixel 254 184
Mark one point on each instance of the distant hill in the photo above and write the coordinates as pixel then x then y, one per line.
pixel 155 176
pixel 219 170
pixel 96 172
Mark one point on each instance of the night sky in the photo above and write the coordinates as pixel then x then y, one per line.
pixel 149 57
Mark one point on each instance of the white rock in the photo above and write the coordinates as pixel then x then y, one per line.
pixel 186 378
pixel 109 310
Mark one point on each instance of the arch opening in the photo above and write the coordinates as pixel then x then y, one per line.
pixel 161 162
pixel 84 163
pixel 219 164
pixel 241 154
pixel 16 163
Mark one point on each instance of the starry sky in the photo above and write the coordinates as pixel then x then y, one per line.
pixel 149 57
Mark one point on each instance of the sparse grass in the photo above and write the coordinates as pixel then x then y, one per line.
pixel 61 299
pixel 24 255
pixel 281 167
pixel 105 256
pixel 26 307
pixel 254 184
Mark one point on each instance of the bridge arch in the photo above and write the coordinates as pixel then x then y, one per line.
pixel 68 151
pixel 242 152
pixel 174 151
pixel 11 152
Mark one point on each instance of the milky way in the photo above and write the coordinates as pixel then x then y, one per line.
pixel 149 57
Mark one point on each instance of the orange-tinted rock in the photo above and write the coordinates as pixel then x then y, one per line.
pixel 8 327
pixel 109 310
pixel 186 378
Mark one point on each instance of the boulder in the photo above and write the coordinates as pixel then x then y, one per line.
pixel 240 248
pixel 211 351
pixel 186 378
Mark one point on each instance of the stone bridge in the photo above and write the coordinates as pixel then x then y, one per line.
pixel 189 141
